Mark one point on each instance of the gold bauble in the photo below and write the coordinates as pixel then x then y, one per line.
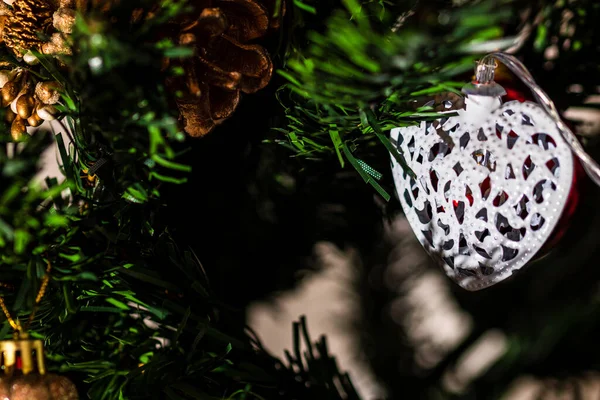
pixel 29 381
pixel 10 92
pixel 25 106
pixel 18 128
pixel 33 121
pixel 29 387
pixel 48 92
pixel 9 117
pixel 37 387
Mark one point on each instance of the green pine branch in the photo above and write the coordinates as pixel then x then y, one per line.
pixel 362 75
pixel 127 315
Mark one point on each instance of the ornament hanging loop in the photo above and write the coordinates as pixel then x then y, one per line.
pixel 484 84
pixel 590 165
pixel 485 70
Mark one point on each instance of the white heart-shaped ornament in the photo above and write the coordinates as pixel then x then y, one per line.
pixel 491 184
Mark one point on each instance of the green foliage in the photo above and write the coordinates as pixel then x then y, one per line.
pixel 127 314
pixel 362 75
pixel 33 218
pixel 120 76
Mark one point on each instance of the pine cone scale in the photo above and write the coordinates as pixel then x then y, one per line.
pixel 218 77
pixel 248 19
pixel 212 22
pixel 224 103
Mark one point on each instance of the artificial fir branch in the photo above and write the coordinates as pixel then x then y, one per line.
pixel 381 59
pixel 362 76
pixel 127 315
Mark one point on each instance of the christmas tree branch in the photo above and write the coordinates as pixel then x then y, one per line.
pixel 127 314
pixel 364 73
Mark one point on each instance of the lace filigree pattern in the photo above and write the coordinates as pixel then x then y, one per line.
pixel 489 189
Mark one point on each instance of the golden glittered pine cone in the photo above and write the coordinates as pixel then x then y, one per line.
pixel 226 63
pixel 40 25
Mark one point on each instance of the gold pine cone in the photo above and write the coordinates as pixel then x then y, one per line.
pixel 226 64
pixel 25 20
pixel 28 22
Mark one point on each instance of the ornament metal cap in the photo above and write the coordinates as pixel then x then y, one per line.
pixel 484 84
pixel 29 351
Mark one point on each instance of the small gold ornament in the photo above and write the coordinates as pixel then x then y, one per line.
pixel 48 92
pixel 35 120
pixel 10 116
pixel 25 105
pixel 9 93
pixel 23 375
pixel 29 380
pixel 18 128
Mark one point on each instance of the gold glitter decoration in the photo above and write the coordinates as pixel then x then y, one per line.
pixel 48 92
pixel 57 45
pixel 28 22
pixel 64 19
pixel 28 102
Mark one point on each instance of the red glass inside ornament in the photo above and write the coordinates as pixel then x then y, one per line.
pixel 514 94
